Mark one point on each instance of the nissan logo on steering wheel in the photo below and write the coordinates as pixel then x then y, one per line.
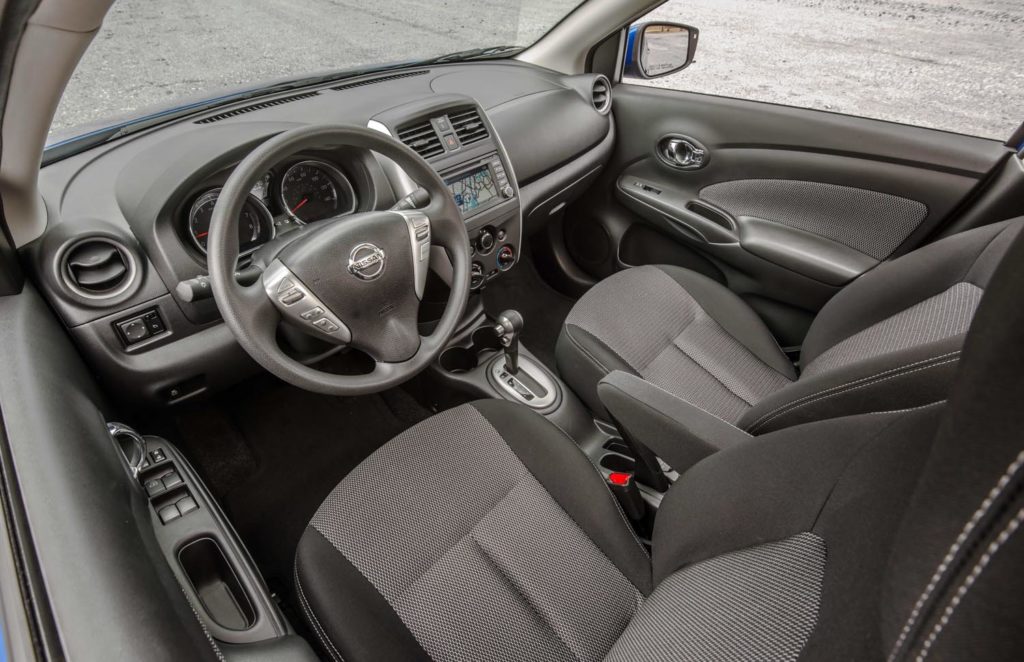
pixel 366 261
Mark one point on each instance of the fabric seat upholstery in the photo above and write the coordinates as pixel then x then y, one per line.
pixel 484 533
pixel 889 340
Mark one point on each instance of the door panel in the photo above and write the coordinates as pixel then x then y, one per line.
pixel 787 204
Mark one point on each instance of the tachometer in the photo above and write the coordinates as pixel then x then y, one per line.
pixel 255 224
pixel 314 190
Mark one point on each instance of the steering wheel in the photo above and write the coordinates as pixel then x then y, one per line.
pixel 354 280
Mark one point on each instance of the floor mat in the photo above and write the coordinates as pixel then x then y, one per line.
pixel 543 308
pixel 271 453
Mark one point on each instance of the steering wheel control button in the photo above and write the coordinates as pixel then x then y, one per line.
pixel 419 236
pixel 285 290
pixel 325 325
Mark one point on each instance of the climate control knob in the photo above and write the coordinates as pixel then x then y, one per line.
pixel 476 277
pixel 506 257
pixel 485 242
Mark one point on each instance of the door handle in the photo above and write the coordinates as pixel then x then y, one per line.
pixel 682 152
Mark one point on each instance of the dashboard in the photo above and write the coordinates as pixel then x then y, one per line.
pixel 123 258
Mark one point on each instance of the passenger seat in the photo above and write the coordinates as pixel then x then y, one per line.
pixel 890 340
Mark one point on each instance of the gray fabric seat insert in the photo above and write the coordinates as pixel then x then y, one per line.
pixel 471 552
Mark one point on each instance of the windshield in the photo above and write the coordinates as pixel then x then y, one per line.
pixel 150 56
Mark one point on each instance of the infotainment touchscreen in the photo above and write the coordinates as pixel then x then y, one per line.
pixel 473 189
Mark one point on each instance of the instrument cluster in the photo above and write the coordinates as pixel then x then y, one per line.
pixel 293 193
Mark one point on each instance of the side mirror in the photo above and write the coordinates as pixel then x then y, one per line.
pixel 659 49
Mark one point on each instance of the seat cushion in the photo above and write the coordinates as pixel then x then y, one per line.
pixel 482 533
pixel 678 330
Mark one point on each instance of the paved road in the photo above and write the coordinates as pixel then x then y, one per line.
pixel 946 64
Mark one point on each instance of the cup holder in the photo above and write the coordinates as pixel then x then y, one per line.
pixel 463 359
pixel 616 462
pixel 458 359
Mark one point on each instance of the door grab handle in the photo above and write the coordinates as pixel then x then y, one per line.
pixel 682 152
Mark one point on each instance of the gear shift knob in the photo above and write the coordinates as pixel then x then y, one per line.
pixel 508 328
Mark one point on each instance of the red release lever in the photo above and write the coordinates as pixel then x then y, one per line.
pixel 620 478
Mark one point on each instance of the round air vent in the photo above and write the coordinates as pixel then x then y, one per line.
pixel 601 94
pixel 97 268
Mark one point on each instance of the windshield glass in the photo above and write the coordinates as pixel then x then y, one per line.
pixel 155 55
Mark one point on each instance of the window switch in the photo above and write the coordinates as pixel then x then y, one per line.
pixel 154 486
pixel 172 480
pixel 157 456
pixel 187 505
pixel 169 513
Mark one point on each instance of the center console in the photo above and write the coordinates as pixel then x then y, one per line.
pixel 455 136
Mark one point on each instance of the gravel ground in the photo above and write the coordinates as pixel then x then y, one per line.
pixel 946 64
pixel 950 65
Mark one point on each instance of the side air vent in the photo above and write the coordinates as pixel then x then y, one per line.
pixel 468 126
pixel 422 138
pixel 379 79
pixel 256 106
pixel 97 268
pixel 601 94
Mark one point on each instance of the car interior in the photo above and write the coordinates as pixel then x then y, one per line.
pixel 505 359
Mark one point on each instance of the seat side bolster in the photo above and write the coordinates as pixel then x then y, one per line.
pixel 899 380
pixel 351 619
pixel 583 359
pixel 680 433
pixel 894 286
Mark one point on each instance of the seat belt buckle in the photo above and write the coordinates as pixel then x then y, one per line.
pixel 623 486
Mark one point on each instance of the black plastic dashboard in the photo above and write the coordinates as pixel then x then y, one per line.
pixel 125 220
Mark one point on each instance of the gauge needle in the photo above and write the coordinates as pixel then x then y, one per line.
pixel 299 206
pixel 201 235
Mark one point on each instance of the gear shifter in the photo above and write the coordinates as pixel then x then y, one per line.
pixel 508 328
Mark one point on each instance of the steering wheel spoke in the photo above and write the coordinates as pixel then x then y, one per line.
pixel 297 304
pixel 419 236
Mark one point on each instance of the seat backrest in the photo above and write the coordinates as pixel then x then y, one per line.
pixel 955 582
pixel 892 338
pixel 875 536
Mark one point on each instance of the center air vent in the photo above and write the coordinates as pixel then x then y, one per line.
pixel 98 268
pixel 601 94
pixel 468 126
pixel 422 138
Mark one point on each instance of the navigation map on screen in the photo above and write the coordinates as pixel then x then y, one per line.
pixel 472 189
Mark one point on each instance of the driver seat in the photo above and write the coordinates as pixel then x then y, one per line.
pixel 484 533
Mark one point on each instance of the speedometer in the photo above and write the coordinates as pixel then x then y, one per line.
pixel 255 224
pixel 314 190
